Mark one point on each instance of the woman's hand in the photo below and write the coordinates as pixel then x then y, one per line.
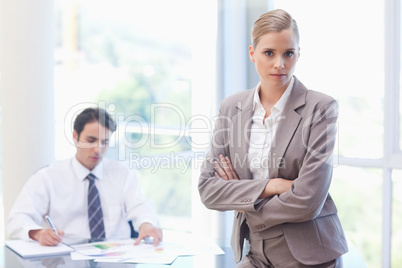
pixel 226 171
pixel 276 186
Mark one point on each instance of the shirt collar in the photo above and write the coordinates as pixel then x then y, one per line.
pixel 82 172
pixel 280 105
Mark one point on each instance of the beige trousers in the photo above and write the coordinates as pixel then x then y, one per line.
pixel 274 253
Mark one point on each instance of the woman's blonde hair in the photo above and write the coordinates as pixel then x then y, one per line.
pixel 273 21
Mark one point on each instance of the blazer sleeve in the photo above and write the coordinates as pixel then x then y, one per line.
pixel 309 192
pixel 219 194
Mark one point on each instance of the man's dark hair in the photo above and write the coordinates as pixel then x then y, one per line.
pixel 90 115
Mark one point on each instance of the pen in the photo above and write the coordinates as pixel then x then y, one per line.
pixel 51 225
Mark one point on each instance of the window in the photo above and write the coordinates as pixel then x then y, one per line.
pixel 140 61
pixel 334 53
pixel 353 189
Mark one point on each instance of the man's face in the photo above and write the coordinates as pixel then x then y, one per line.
pixel 91 144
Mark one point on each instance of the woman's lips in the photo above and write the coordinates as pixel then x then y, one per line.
pixel 278 75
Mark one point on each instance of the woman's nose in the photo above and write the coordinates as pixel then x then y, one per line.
pixel 279 63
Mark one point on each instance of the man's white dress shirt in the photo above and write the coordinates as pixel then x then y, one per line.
pixel 61 192
pixel 262 135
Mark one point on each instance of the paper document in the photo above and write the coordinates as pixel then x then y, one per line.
pixel 125 251
pixel 122 251
pixel 33 249
pixel 90 251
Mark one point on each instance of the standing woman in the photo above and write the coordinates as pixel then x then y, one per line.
pixel 270 160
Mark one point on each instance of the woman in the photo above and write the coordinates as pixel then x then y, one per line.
pixel 270 159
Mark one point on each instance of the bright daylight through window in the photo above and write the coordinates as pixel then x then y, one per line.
pixel 136 61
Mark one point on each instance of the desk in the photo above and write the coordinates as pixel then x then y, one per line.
pixel 12 260
pixel 352 259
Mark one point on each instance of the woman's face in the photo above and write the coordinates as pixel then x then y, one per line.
pixel 275 58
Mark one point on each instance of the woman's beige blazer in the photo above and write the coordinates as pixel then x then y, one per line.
pixel 301 151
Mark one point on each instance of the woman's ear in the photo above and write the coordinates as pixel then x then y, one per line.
pixel 251 53
pixel 298 56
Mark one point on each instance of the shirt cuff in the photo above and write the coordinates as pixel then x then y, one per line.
pixel 25 232
pixel 138 223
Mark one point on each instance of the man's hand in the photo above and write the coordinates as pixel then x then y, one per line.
pixel 226 171
pixel 147 229
pixel 46 237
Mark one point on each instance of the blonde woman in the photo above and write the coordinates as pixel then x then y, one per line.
pixel 270 160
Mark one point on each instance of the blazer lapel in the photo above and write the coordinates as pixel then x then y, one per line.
pixel 240 135
pixel 288 124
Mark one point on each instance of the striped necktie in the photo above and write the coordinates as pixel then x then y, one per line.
pixel 95 215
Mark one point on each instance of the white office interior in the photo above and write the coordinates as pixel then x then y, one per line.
pixel 27 107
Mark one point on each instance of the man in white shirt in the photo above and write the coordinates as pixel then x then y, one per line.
pixel 60 191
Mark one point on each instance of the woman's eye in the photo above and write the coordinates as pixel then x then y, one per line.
pixel 289 53
pixel 269 53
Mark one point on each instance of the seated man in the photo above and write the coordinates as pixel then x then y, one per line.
pixel 86 196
